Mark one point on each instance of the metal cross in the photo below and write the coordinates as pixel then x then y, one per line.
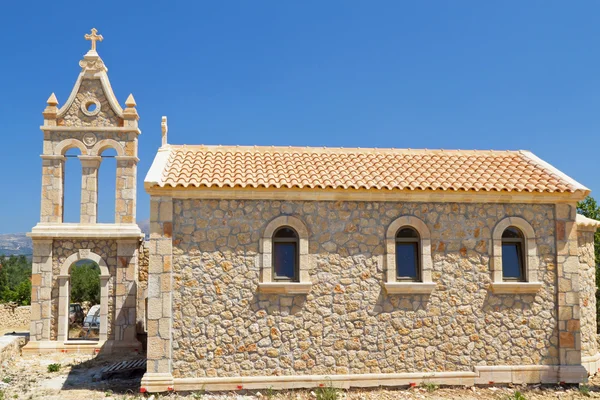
pixel 94 37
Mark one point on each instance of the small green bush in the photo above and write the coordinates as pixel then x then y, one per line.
pixel 53 367
pixel 7 379
pixel 517 396
pixel 430 386
pixel 584 390
pixel 327 393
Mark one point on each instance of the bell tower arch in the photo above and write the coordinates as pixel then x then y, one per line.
pixel 91 120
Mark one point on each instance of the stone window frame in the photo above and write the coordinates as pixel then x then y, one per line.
pixel 64 279
pixel 425 285
pixel 267 284
pixel 531 259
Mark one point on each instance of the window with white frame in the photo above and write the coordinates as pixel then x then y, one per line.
pixel 408 261
pixel 514 264
pixel 284 257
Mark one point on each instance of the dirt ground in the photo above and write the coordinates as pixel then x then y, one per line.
pixel 27 377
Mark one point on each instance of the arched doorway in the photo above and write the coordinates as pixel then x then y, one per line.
pixel 82 257
pixel 84 301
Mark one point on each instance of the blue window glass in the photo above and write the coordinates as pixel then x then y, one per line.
pixel 284 260
pixel 512 261
pixel 407 260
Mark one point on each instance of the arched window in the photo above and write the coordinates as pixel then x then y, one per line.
pixel 514 264
pixel 513 260
pixel 408 262
pixel 283 258
pixel 407 255
pixel 285 255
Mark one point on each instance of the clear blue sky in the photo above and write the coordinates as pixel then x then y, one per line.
pixel 430 74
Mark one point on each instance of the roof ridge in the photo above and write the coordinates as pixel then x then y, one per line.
pixel 340 149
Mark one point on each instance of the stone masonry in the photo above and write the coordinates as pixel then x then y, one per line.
pixel 587 293
pixel 347 324
pixel 91 120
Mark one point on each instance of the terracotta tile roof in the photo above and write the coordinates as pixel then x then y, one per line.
pixel 340 168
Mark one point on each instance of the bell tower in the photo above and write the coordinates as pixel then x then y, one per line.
pixel 91 120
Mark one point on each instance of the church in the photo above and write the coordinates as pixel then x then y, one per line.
pixel 290 267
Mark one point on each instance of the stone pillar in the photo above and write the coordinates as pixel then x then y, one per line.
pixel 89 188
pixel 567 269
pixel 52 188
pixel 103 332
pixel 126 289
pixel 63 308
pixel 158 377
pixel 126 189
pixel 587 297
pixel 41 290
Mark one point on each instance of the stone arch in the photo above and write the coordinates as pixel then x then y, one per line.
pixel 266 249
pixel 106 144
pixel 531 252
pixel 408 220
pixel 426 260
pixel 64 293
pixel 62 147
pixel 65 268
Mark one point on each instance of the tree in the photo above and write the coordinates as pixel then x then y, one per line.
pixel 590 209
pixel 15 283
pixel 85 283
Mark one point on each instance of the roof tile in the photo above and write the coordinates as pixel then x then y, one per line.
pixel 391 169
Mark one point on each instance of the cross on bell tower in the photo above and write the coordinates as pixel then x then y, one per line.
pixel 94 37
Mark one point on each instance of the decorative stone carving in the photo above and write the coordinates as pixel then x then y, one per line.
pixel 84 253
pixel 89 139
pixel 87 109
pixel 92 64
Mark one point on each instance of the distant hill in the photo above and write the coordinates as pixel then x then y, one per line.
pixel 19 243
pixel 15 243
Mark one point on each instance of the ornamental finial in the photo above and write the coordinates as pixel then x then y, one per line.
pixel 94 37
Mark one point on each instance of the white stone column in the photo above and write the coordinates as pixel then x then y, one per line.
pixel 103 333
pixel 63 308
pixel 89 188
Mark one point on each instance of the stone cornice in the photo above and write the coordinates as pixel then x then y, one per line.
pixel 120 129
pixel 74 231
pixel 362 195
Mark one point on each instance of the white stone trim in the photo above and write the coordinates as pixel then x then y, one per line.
pixel 75 230
pixel 425 285
pixel 554 170
pixel 67 144
pixel 153 187
pixel 515 287
pixel 531 256
pixel 481 375
pixel 154 175
pixel 107 144
pixel 284 287
pixel 118 129
pixel 591 363
pixel 64 293
pixel 266 248
pixel 107 89
pixel 586 224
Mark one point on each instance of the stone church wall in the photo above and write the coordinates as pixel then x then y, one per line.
pixel 587 293
pixel 222 325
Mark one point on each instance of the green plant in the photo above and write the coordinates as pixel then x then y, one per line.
pixel 584 390
pixel 199 394
pixel 517 396
pixel 430 386
pixel 7 379
pixel 270 393
pixel 327 393
pixel 53 367
pixel 2 395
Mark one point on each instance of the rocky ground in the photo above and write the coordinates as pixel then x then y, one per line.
pixel 28 377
